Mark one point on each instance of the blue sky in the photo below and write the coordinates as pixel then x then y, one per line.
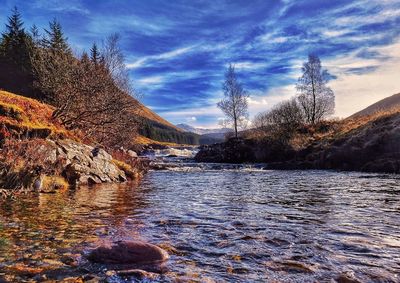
pixel 177 51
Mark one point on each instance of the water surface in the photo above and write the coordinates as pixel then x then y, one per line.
pixel 233 225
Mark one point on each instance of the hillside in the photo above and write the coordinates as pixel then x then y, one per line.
pixel 21 116
pixel 147 113
pixel 38 154
pixel 385 104
pixel 365 143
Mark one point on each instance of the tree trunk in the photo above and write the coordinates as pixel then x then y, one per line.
pixel 314 102
pixel 235 124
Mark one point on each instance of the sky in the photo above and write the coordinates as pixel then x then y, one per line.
pixel 177 51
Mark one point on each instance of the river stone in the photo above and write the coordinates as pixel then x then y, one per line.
pixel 131 153
pixel 138 273
pixel 135 252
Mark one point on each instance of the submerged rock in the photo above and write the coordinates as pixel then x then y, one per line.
pixel 135 252
pixel 138 273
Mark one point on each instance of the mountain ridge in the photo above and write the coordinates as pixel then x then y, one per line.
pixel 386 104
pixel 202 131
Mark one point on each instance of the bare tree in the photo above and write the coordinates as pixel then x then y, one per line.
pixel 315 97
pixel 234 104
pixel 95 98
pixel 114 61
pixel 281 120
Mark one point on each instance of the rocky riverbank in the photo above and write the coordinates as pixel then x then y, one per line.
pixel 39 154
pixel 373 146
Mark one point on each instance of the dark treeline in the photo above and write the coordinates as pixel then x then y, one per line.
pixel 91 92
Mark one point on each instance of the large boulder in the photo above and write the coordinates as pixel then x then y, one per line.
pixel 135 252
pixel 87 165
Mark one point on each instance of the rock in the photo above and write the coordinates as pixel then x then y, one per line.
pixel 88 165
pixel 235 150
pixel 69 260
pixel 90 278
pixel 131 153
pixel 138 273
pixel 135 252
pixel 346 278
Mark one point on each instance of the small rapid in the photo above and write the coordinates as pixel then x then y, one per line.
pixel 182 160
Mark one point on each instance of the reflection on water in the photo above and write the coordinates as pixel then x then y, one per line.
pixel 219 226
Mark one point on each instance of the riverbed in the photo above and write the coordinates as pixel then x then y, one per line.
pixel 219 224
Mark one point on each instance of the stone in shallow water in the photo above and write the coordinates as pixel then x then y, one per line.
pixel 138 273
pixel 135 252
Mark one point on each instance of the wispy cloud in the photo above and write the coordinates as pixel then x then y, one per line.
pixel 162 56
pixel 150 80
pixel 75 6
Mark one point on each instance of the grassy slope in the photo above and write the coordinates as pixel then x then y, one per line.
pixel 156 130
pixel 383 105
pixel 21 115
pixel 145 112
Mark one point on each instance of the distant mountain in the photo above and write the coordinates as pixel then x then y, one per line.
pixel 385 104
pixel 202 131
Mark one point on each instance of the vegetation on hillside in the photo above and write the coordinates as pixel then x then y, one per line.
pixel 22 117
pixel 37 151
pixel 163 133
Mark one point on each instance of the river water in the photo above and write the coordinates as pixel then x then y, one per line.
pixel 219 224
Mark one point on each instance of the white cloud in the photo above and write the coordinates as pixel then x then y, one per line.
pixel 150 80
pixel 384 15
pixel 174 53
pixel 162 56
pixel 273 96
pixel 248 65
pixel 335 33
pixel 61 6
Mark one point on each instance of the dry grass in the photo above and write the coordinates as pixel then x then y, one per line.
pixel 339 128
pixel 53 183
pixel 134 167
pixel 326 131
pixel 350 124
pixel 128 169
pixel 20 114
pixel 141 140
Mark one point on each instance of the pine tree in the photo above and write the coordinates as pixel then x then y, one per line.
pixel 55 39
pixel 95 56
pixel 14 39
pixel 14 28
pixel 15 60
pixel 35 34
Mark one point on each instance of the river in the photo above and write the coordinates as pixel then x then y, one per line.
pixel 219 224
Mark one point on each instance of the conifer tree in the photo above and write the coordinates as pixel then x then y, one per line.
pixel 14 43
pixel 55 39
pixel 95 56
pixel 35 34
